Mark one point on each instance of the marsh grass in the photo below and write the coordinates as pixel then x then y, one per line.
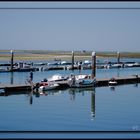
pixel 63 55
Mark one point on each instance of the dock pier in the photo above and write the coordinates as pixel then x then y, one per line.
pixel 119 80
pixel 15 87
pixel 99 83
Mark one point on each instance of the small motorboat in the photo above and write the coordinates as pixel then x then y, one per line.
pixel 2 91
pixel 82 83
pixel 81 76
pixel 57 78
pixel 44 86
pixel 112 82
pixel 78 77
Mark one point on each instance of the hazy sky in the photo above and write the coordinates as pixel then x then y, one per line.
pixel 70 29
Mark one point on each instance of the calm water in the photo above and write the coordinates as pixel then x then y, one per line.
pixel 92 109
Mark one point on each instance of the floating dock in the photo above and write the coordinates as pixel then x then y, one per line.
pixel 15 87
pixel 120 80
pixel 99 83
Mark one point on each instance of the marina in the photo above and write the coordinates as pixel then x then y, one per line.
pixel 59 66
pixel 61 82
pixel 73 95
pixel 70 70
pixel 64 84
pixel 72 64
pixel 54 81
pixel 66 107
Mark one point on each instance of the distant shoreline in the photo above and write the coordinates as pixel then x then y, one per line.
pixel 63 55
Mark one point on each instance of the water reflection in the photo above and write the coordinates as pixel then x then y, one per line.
pixel 112 88
pixel 31 98
pixel 118 72
pixel 93 104
pixel 72 94
pixel 11 78
pixel 14 93
pixel 136 85
pixel 74 91
pixel 51 92
pixel 43 93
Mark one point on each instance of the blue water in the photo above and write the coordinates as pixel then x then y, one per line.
pixel 93 109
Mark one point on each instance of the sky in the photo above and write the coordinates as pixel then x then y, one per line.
pixel 70 29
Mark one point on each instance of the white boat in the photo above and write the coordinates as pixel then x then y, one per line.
pixel 114 66
pixel 82 83
pixel 57 78
pixel 81 76
pixel 2 91
pixel 128 65
pixel 86 63
pixel 65 63
pixel 47 86
pixel 112 82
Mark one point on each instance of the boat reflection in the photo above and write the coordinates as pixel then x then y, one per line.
pixel 136 85
pixel 51 92
pixel 112 88
pixel 74 91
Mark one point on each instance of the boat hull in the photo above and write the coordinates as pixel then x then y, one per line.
pixel 48 87
pixel 82 83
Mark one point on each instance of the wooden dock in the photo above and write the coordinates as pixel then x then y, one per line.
pixel 15 87
pixel 100 83
pixel 120 81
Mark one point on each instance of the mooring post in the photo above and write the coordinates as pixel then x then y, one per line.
pixel 118 57
pixel 93 65
pixel 72 60
pixel 12 58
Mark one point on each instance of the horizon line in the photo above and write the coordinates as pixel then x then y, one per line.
pixel 70 8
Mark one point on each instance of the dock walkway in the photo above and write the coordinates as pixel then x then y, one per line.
pixel 99 83
pixel 120 80
pixel 15 87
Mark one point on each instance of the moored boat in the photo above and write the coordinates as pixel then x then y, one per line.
pixel 44 86
pixel 57 78
pixel 112 82
pixel 81 83
pixel 81 76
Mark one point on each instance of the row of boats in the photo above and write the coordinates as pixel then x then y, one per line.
pixel 88 65
pixel 72 81
pixel 64 65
